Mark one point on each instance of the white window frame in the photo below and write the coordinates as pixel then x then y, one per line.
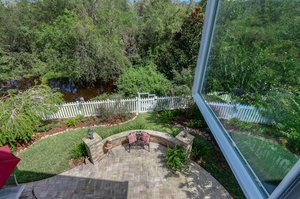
pixel 249 183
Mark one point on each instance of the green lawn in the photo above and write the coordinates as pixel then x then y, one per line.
pixel 50 156
pixel 270 160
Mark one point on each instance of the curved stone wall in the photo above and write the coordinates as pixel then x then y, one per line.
pixel 95 147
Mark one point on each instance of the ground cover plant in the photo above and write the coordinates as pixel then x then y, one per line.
pixel 176 158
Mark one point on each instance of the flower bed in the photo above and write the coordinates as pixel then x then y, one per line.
pixel 48 128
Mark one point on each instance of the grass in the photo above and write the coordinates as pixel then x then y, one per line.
pixel 51 156
pixel 270 160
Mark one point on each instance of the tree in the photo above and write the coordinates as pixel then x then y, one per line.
pixel 76 49
pixel 143 79
pixel 255 49
pixel 183 82
pixel 157 20
pixel 182 52
pixel 21 112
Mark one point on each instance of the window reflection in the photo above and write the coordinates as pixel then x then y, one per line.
pixel 253 83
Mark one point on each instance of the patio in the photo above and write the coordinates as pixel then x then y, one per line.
pixel 138 174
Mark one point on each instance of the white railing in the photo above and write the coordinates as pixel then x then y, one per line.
pixel 226 111
pixel 247 113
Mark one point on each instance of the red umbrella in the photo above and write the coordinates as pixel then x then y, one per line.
pixel 8 161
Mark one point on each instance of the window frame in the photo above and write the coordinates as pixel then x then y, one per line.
pixel 249 182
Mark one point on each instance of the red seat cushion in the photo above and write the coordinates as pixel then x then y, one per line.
pixel 132 138
pixel 146 137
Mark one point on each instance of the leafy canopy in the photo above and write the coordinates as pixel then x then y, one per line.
pixel 143 79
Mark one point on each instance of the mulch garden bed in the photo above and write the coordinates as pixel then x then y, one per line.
pixel 52 127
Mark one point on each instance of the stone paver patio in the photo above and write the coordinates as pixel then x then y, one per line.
pixel 138 174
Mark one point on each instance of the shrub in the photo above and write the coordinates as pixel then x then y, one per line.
pixel 118 108
pixel 196 123
pixel 72 122
pixel 283 107
pixel 176 158
pixel 146 78
pixel 294 140
pixel 201 148
pixel 166 116
pixel 21 112
pixel 78 151
pixel 45 127
pixel 79 118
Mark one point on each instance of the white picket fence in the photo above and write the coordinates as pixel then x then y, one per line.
pixel 226 111
pixel 247 113
pixel 136 105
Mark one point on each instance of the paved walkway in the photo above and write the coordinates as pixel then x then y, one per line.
pixel 138 174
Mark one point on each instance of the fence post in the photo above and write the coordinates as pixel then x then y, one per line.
pixel 137 104
pixel 79 107
pixel 155 102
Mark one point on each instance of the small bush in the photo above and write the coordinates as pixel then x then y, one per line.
pixel 294 140
pixel 176 158
pixel 72 122
pixel 166 116
pixel 195 123
pixel 45 127
pixel 79 118
pixel 78 151
pixel 201 148
pixel 118 109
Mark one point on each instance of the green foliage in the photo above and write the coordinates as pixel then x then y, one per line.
pixel 78 151
pixel 157 20
pixel 283 108
pixel 166 116
pixel 181 53
pixel 183 82
pixel 196 123
pixel 176 158
pixel 242 125
pixel 44 128
pixel 294 140
pixel 72 122
pixel 79 118
pixel 20 112
pixel 145 79
pixel 75 46
pixel 254 49
pixel 201 148
pixel 118 109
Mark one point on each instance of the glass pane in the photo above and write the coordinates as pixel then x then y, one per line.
pixel 252 83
